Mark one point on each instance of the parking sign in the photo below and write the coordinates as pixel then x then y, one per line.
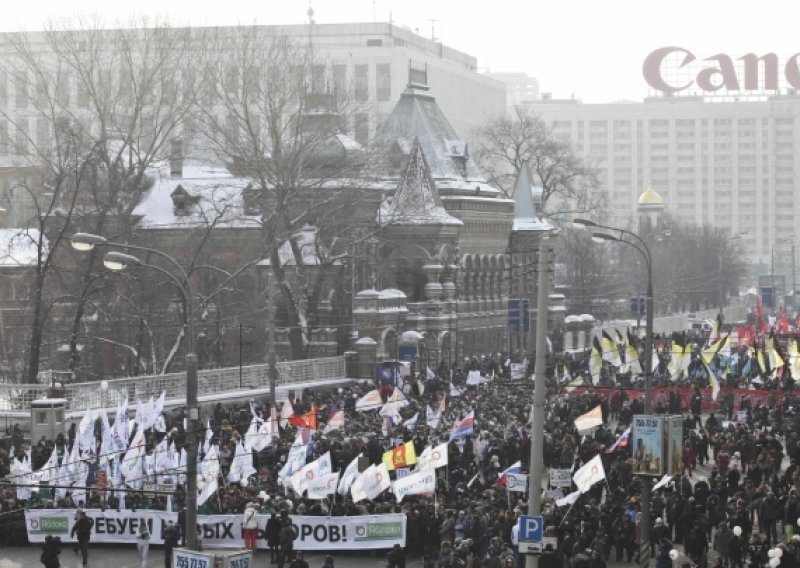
pixel 531 529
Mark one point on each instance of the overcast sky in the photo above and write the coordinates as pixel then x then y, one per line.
pixel 591 49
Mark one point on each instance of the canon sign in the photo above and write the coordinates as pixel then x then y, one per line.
pixel 757 73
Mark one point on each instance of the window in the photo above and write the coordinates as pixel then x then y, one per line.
pixel 41 417
pixel 42 134
pixel 21 92
pixel 340 80
pixel 21 144
pixel 374 42
pixel 3 91
pixel 362 128
pixel 383 81
pixel 361 83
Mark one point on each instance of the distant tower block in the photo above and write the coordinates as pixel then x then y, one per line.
pixel 651 204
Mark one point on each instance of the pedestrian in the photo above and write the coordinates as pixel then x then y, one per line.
pixel 143 542
pixel 328 562
pixel 287 536
pixel 250 526
pixel 50 552
pixel 83 530
pixel 396 557
pixel 273 534
pixel 298 561
pixel 170 537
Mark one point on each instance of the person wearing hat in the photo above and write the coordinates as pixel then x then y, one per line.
pixel 250 526
pixel 83 530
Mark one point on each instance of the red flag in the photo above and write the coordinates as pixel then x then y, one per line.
pixel 307 420
pixel 782 326
pixel 762 327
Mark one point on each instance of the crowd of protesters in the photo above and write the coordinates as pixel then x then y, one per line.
pixel 750 478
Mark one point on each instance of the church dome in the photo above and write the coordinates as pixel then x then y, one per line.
pixel 650 197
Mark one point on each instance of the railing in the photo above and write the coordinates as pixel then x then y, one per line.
pixel 81 396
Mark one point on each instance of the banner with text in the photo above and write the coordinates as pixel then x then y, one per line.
pixel 224 531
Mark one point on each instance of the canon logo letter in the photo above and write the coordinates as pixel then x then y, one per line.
pixel 722 74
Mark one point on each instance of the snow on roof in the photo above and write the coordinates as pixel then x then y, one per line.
pixel 18 247
pixel 216 198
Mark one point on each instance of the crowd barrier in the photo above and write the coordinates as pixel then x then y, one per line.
pixel 223 531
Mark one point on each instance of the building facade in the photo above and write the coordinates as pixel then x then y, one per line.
pixel 727 164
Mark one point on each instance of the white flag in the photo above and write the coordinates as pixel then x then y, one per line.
pixel 377 482
pixel 430 375
pixel 358 487
pixel 86 441
pixel 348 477
pixel 418 483
pixel 662 482
pixel 590 420
pixel 433 457
pixel 569 499
pixel 370 401
pixel 310 472
pixel 335 422
pixel 287 411
pixel 432 418
pixel 589 474
pixel 323 486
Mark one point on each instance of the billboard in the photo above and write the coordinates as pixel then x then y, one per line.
pixel 647 442
pixel 675 445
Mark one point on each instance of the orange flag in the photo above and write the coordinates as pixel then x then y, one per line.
pixel 307 420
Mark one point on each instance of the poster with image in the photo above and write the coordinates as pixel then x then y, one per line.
pixel 648 445
pixel 675 445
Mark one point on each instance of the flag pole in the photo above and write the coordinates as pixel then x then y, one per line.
pixel 569 511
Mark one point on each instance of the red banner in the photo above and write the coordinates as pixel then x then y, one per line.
pixel 661 396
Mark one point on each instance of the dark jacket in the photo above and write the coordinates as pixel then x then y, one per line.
pixel 50 552
pixel 273 532
pixel 82 528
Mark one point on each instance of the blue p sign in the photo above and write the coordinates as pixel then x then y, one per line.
pixel 531 528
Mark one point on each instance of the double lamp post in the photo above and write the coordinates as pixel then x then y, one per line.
pixel 606 234
pixel 114 260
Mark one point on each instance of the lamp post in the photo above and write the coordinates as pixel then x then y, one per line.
pixel 117 261
pixel 641 246
pixel 539 388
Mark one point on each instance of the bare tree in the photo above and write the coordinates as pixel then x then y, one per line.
pixel 106 110
pixel 506 142
pixel 274 114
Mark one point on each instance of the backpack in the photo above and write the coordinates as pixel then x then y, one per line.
pixel 286 536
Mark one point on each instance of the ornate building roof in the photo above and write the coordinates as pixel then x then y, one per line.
pixel 416 201
pixel 417 117
pixel 527 217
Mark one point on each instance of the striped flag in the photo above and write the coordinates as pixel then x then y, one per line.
pixel 620 442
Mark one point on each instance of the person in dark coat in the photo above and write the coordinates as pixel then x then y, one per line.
pixel 83 530
pixel 396 557
pixel 663 559
pixel 273 534
pixel 171 539
pixel 50 552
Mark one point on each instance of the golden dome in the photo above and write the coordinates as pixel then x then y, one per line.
pixel 650 197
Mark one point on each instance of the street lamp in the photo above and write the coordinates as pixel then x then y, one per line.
pixel 618 235
pixel 117 261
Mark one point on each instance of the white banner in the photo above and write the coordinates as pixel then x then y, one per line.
pixel 224 531
pixel 517 482
pixel 560 478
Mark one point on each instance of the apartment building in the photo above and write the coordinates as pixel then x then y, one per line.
pixel 729 164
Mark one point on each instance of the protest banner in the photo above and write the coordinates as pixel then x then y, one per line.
pixel 223 531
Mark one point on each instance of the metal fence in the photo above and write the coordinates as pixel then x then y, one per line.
pixel 81 396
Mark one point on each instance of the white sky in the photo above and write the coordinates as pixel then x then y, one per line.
pixel 591 49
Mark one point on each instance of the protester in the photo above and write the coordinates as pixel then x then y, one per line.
pixel 50 551
pixel 143 542
pixel 83 530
